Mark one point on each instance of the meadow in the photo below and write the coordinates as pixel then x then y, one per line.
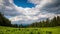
pixel 43 30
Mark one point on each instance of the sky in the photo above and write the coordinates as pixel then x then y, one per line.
pixel 23 3
pixel 29 11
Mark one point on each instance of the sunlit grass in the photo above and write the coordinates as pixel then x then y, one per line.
pixel 48 30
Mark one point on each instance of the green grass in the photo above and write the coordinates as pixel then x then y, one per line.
pixel 48 30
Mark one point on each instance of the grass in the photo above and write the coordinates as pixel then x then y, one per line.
pixel 48 30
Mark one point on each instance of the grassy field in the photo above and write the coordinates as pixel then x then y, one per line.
pixel 49 30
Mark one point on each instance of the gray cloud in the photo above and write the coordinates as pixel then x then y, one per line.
pixel 53 7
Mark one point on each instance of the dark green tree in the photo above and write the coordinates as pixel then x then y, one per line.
pixel 4 21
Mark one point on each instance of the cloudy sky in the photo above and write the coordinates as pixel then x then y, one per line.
pixel 28 11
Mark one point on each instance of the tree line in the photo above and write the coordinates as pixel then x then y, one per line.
pixel 45 23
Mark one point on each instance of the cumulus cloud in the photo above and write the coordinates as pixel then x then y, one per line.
pixel 18 15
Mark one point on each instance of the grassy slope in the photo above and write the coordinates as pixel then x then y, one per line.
pixel 9 30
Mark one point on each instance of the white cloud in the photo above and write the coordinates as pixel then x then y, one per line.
pixel 26 15
pixel 41 1
pixel 1 1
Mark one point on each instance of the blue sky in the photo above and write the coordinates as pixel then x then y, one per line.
pixel 24 3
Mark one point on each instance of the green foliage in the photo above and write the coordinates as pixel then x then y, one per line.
pixel 31 32
pixel 48 32
pixel 4 21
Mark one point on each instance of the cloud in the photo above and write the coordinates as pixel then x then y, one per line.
pixel 53 7
pixel 43 9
